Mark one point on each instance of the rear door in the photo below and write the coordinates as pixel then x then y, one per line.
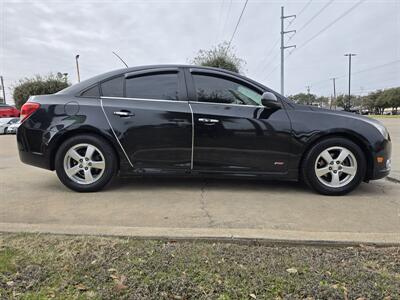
pixel 233 131
pixel 150 116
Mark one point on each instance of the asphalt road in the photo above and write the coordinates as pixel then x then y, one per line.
pixel 33 199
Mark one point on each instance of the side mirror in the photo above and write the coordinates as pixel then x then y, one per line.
pixel 269 100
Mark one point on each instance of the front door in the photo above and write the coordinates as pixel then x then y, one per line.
pixel 233 132
pixel 151 119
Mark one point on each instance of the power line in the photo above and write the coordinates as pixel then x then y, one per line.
pixel 277 41
pixel 361 71
pixel 304 8
pixel 331 24
pixel 300 12
pixel 226 18
pixel 274 69
pixel 283 46
pixel 377 67
pixel 237 24
pixel 221 9
pixel 271 50
pixel 315 16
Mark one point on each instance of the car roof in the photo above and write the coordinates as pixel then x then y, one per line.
pixel 76 88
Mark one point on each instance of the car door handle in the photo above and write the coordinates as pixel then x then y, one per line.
pixel 123 113
pixel 208 121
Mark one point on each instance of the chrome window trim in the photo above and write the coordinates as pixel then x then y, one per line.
pixel 178 101
pixel 226 104
pixel 142 99
pixel 115 135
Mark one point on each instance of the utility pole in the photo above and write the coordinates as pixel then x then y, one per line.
pixel 348 100
pixel 77 67
pixel 334 92
pixel 308 94
pixel 283 47
pixel 3 89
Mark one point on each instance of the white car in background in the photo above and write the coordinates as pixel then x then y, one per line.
pixel 12 129
pixel 7 122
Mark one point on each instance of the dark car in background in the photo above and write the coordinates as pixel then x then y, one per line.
pixel 8 111
pixel 195 121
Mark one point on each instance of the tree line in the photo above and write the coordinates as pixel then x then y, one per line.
pixel 375 102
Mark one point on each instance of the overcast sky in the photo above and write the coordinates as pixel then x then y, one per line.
pixel 39 37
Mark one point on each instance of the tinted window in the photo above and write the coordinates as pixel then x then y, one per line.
pixel 160 86
pixel 220 90
pixel 113 87
pixel 92 92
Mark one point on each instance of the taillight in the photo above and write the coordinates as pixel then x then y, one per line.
pixel 27 109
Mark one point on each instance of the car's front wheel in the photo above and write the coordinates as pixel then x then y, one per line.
pixel 85 163
pixel 334 166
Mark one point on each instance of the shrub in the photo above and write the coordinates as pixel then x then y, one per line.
pixel 38 85
pixel 221 56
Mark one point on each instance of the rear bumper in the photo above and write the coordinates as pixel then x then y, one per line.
pixel 34 159
pixel 382 161
pixel 29 153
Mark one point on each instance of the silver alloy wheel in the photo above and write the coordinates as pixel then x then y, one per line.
pixel 84 163
pixel 335 167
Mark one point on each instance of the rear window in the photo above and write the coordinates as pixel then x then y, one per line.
pixel 158 87
pixel 93 92
pixel 113 87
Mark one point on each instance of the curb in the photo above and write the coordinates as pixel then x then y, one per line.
pixel 238 235
pixel 392 179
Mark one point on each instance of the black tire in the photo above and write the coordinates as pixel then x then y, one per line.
pixel 106 150
pixel 308 172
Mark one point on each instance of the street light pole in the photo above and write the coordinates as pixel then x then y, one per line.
pixel 3 89
pixel 348 100
pixel 77 67
pixel 334 92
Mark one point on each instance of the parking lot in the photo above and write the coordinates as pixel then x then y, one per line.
pixel 33 199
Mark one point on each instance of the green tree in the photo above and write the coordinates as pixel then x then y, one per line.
pixel 391 98
pixel 38 85
pixel 370 101
pixel 302 98
pixel 221 56
pixel 322 100
pixel 342 100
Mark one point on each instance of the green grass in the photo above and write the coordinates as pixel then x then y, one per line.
pixel 384 116
pixel 70 267
pixel 7 260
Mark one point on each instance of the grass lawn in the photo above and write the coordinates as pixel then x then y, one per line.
pixel 384 116
pixel 75 267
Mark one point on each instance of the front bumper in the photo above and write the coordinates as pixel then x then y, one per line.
pixel 382 161
pixel 11 130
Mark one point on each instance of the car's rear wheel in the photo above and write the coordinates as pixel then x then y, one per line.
pixel 85 163
pixel 334 166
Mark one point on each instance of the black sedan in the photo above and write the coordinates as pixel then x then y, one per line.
pixel 196 121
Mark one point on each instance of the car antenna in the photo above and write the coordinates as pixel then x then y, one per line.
pixel 120 59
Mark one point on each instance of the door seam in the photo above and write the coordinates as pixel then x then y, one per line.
pixel 115 135
pixel 192 154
